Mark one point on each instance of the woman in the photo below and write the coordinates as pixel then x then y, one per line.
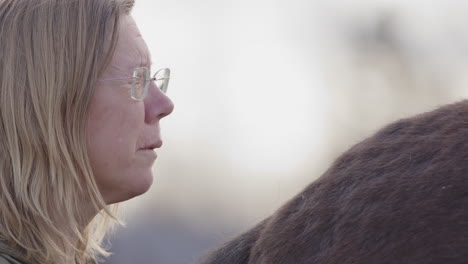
pixel 79 119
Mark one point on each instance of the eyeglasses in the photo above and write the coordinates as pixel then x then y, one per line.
pixel 141 80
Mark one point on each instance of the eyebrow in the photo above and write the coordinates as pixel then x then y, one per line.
pixel 144 58
pixel 140 63
pixel 146 62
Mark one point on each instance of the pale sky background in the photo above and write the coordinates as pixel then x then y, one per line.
pixel 267 93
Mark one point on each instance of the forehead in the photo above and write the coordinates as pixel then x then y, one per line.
pixel 131 50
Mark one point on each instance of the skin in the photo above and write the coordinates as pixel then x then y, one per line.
pixel 118 126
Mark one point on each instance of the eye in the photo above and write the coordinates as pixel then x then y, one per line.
pixel 140 75
pixel 138 81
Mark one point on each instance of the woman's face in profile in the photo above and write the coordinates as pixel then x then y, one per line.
pixel 118 126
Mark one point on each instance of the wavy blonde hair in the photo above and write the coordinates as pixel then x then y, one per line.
pixel 51 54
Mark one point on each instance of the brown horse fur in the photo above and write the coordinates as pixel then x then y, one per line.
pixel 400 196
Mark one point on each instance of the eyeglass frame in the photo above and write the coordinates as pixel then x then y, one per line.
pixel 147 81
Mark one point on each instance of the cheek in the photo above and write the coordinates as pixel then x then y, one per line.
pixel 113 129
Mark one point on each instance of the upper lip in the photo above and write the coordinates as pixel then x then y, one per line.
pixel 154 145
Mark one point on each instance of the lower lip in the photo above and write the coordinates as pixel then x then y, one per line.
pixel 148 153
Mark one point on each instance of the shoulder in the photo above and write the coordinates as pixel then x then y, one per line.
pixel 10 255
pixel 5 259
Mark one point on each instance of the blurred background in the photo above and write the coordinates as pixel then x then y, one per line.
pixel 267 94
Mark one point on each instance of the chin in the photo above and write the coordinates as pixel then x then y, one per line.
pixel 136 186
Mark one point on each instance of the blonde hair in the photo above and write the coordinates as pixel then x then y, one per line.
pixel 51 54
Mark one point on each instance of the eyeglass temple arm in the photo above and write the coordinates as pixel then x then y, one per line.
pixel 157 79
pixel 113 79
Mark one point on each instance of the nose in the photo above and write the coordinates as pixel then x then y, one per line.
pixel 157 104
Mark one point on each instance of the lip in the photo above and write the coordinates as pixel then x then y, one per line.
pixel 152 146
pixel 148 153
